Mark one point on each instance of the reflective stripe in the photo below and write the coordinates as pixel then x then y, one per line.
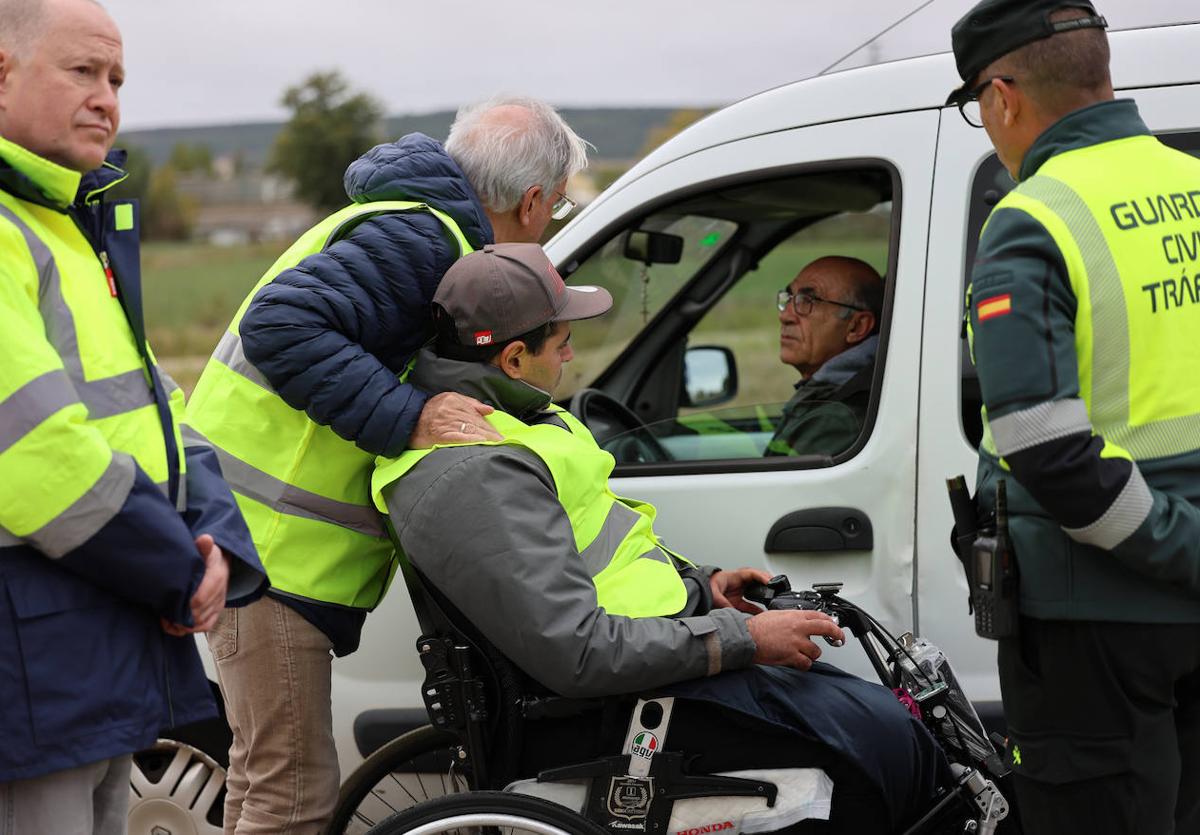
pixel 229 353
pixel 116 395
pixel 1038 424
pixel 1123 517
pixel 104 397
pixel 60 324
pixel 285 498
pixel 617 524
pixel 193 437
pixel 91 512
pixel 168 382
pixel 657 555
pixel 1110 333
pixel 369 211
pixel 27 407
pixel 1110 320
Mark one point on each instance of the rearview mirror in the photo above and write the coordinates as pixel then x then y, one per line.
pixel 709 376
pixel 653 247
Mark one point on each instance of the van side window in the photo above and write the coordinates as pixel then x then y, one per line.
pixel 991 183
pixel 701 368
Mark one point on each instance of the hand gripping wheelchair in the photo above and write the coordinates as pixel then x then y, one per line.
pixel 460 773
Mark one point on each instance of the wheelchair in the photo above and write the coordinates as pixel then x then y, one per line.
pixel 462 772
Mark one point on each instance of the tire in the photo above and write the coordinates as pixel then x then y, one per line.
pixel 177 788
pixel 488 812
pixel 375 789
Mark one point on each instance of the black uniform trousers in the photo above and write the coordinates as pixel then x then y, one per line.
pixel 1104 726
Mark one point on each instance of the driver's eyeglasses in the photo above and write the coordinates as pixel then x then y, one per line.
pixel 562 207
pixel 803 302
pixel 968 105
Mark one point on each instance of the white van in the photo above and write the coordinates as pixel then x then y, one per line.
pixel 867 163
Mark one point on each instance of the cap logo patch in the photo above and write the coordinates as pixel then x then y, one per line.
pixel 994 306
pixel 483 337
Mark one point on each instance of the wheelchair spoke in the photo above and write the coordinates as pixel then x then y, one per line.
pixel 403 788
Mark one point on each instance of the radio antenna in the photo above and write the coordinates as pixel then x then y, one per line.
pixel 876 36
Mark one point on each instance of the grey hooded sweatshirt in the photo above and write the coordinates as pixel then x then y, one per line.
pixel 485 526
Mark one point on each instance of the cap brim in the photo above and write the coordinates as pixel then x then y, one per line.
pixel 958 95
pixel 584 302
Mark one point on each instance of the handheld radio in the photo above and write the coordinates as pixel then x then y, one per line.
pixel 993 576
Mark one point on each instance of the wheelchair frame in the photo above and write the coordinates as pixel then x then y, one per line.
pixel 474 693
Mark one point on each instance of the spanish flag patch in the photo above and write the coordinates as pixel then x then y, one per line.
pixel 994 306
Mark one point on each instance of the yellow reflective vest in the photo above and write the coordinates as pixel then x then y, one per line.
pixel 1124 232
pixel 634 575
pixel 304 491
pixel 83 377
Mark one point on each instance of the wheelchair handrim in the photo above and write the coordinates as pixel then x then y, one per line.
pixel 518 823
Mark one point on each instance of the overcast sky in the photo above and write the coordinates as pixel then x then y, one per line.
pixel 214 61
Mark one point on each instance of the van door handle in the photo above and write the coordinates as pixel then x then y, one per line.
pixel 821 529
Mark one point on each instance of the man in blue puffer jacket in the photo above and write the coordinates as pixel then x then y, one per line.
pixel 304 391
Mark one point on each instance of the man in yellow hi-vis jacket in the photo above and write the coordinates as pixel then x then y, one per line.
pixel 116 541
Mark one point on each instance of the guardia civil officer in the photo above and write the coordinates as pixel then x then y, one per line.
pixel 117 540
pixel 1084 317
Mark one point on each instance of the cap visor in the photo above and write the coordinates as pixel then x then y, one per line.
pixel 584 302
pixel 956 96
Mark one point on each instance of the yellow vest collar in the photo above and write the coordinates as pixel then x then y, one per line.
pixel 56 183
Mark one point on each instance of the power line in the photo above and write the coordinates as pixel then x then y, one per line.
pixel 876 37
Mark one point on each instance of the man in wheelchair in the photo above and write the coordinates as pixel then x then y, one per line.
pixel 569 582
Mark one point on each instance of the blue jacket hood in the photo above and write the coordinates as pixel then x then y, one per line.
pixel 416 167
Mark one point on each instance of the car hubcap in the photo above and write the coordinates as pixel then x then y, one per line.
pixel 175 789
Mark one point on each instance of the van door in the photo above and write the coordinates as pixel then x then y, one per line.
pixel 733 224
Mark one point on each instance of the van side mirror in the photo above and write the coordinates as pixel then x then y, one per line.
pixel 709 376
pixel 653 247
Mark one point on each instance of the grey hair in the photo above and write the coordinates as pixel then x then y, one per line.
pixel 503 158
pixel 21 24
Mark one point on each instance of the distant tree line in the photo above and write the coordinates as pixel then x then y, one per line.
pixel 330 126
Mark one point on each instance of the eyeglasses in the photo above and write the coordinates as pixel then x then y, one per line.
pixel 802 302
pixel 562 207
pixel 968 103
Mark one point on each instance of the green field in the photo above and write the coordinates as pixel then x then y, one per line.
pixel 191 292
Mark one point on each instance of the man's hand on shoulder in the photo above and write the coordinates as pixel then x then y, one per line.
pixel 783 638
pixel 728 586
pixel 451 418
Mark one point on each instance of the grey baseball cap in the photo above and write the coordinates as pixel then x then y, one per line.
pixel 505 290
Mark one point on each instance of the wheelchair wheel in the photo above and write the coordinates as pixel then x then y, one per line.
pixel 413 768
pixel 485 813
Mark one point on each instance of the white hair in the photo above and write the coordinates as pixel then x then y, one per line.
pixel 503 156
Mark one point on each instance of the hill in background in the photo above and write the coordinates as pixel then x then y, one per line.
pixel 617 133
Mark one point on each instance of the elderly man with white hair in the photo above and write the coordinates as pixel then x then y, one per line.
pixel 307 387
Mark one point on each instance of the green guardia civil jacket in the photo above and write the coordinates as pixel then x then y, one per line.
pixel 1084 308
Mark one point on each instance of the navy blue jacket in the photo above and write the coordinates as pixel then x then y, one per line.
pixel 86 671
pixel 332 333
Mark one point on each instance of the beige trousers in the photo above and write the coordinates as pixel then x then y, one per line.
pixel 274 670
